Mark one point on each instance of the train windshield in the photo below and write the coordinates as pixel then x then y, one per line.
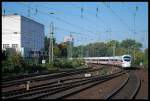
pixel 127 58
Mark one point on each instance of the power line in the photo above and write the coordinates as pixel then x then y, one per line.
pixel 55 27
pixel 77 15
pixel 123 3
pixel 62 20
pixel 97 10
pixel 24 20
pixel 82 17
pixel 80 28
pixel 61 28
pixel 117 16
pixel 73 31
pixel 14 18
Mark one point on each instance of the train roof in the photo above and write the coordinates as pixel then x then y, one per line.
pixel 113 57
pixel 116 57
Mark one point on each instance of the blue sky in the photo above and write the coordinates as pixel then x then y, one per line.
pixel 114 20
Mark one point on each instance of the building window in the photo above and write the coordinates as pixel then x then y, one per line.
pixel 15 32
pixel 14 45
pixel 5 46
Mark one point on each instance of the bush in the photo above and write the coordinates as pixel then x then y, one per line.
pixel 66 63
pixel 78 63
pixel 13 64
pixel 49 66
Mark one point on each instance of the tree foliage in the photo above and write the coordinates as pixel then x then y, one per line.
pixel 97 49
pixel 146 57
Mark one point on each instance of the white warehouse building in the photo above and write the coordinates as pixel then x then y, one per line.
pixel 23 34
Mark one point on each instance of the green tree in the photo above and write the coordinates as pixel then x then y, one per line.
pixel 146 57
pixel 130 45
pixel 13 64
pixel 63 50
pixel 57 51
pixel 139 57
pixel 113 43
pixel 76 52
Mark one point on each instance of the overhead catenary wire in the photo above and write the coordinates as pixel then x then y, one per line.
pixel 15 19
pixel 70 23
pixel 83 33
pixel 120 19
pixel 62 20
pixel 124 4
pixel 85 18
pixel 98 17
pixel 73 31
pixel 89 20
pixel 82 9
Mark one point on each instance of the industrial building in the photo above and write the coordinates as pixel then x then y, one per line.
pixel 22 34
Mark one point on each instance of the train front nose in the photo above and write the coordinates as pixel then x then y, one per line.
pixel 126 64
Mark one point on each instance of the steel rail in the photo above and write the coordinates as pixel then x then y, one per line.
pixel 136 90
pixel 57 85
pixel 122 91
pixel 79 88
pixel 117 89
pixel 38 78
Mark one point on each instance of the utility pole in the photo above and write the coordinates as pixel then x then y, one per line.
pixel 114 49
pixel 70 46
pixel 35 55
pixel 134 31
pixel 110 41
pixel 71 43
pixel 81 51
pixel 134 37
pixel 51 43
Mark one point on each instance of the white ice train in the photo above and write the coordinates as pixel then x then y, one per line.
pixel 123 61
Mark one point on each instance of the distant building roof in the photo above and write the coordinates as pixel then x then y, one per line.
pixel 15 14
pixel 68 38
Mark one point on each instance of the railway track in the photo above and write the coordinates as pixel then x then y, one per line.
pixel 21 86
pixel 128 89
pixel 57 90
pixel 44 77
pixel 21 91
pixel 8 79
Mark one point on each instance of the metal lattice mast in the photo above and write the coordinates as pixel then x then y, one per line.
pixel 134 29
pixel 51 43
